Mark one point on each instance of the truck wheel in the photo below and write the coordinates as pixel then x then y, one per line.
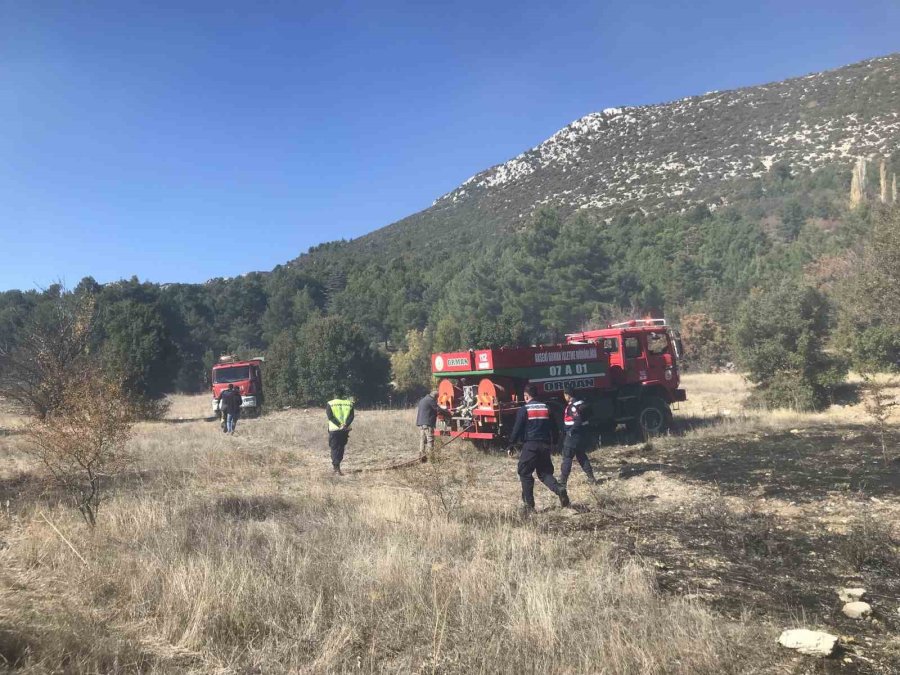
pixel 654 417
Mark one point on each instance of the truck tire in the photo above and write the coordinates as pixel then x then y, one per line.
pixel 654 417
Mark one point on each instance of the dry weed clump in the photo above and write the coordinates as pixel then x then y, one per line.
pixel 870 543
pixel 444 480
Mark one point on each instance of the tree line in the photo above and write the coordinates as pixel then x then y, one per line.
pixel 783 252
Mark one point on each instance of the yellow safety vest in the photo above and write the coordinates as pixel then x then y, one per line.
pixel 340 408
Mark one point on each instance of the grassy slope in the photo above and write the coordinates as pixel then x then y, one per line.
pixel 244 555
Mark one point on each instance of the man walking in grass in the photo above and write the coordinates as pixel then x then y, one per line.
pixel 232 408
pixel 223 407
pixel 340 416
pixel 578 436
pixel 426 419
pixel 535 425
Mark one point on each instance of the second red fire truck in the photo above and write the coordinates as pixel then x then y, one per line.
pixel 246 376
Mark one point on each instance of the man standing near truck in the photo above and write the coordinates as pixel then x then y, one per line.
pixel 223 406
pixel 232 408
pixel 426 419
pixel 575 444
pixel 340 416
pixel 535 425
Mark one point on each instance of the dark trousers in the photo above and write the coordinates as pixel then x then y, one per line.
pixel 337 441
pixel 575 447
pixel 535 456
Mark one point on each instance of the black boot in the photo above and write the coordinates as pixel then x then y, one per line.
pixel 563 497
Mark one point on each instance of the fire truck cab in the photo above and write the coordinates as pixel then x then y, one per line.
pixel 246 376
pixel 643 371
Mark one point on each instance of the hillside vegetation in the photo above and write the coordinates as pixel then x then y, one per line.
pixel 682 209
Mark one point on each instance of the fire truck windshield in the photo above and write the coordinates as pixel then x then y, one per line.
pixel 233 374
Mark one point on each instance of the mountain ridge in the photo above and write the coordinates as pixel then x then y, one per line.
pixel 654 156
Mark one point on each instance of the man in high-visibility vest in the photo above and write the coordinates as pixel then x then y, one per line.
pixel 340 416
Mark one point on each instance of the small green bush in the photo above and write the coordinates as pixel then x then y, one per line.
pixel 779 338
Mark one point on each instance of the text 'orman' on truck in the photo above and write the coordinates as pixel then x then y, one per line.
pixel 627 372
pixel 246 376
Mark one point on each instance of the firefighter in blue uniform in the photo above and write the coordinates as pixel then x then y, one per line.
pixel 535 426
pixel 578 436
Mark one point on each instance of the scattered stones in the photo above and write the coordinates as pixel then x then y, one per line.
pixel 851 594
pixel 809 642
pixel 857 610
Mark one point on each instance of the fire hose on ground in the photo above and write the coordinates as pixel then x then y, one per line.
pixel 421 459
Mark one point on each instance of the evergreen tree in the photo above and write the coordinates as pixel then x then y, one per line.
pixel 780 337
pixel 333 355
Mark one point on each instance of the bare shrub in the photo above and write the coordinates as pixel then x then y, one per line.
pixel 81 442
pixel 443 480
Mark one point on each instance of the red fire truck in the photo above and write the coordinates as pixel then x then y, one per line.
pixel 246 376
pixel 628 372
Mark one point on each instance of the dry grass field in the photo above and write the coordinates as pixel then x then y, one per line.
pixel 244 554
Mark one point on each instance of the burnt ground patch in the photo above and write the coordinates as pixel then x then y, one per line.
pixel 745 559
pixel 751 562
pixel 14 648
pixel 252 508
pixel 800 465
pixel 28 488
pixel 37 489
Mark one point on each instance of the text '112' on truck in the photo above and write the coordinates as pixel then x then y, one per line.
pixel 246 376
pixel 627 372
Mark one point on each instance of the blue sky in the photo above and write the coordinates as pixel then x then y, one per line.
pixel 180 141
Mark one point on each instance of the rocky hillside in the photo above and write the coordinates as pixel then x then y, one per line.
pixel 673 154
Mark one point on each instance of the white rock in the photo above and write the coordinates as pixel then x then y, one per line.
pixel 809 642
pixel 851 594
pixel 857 610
